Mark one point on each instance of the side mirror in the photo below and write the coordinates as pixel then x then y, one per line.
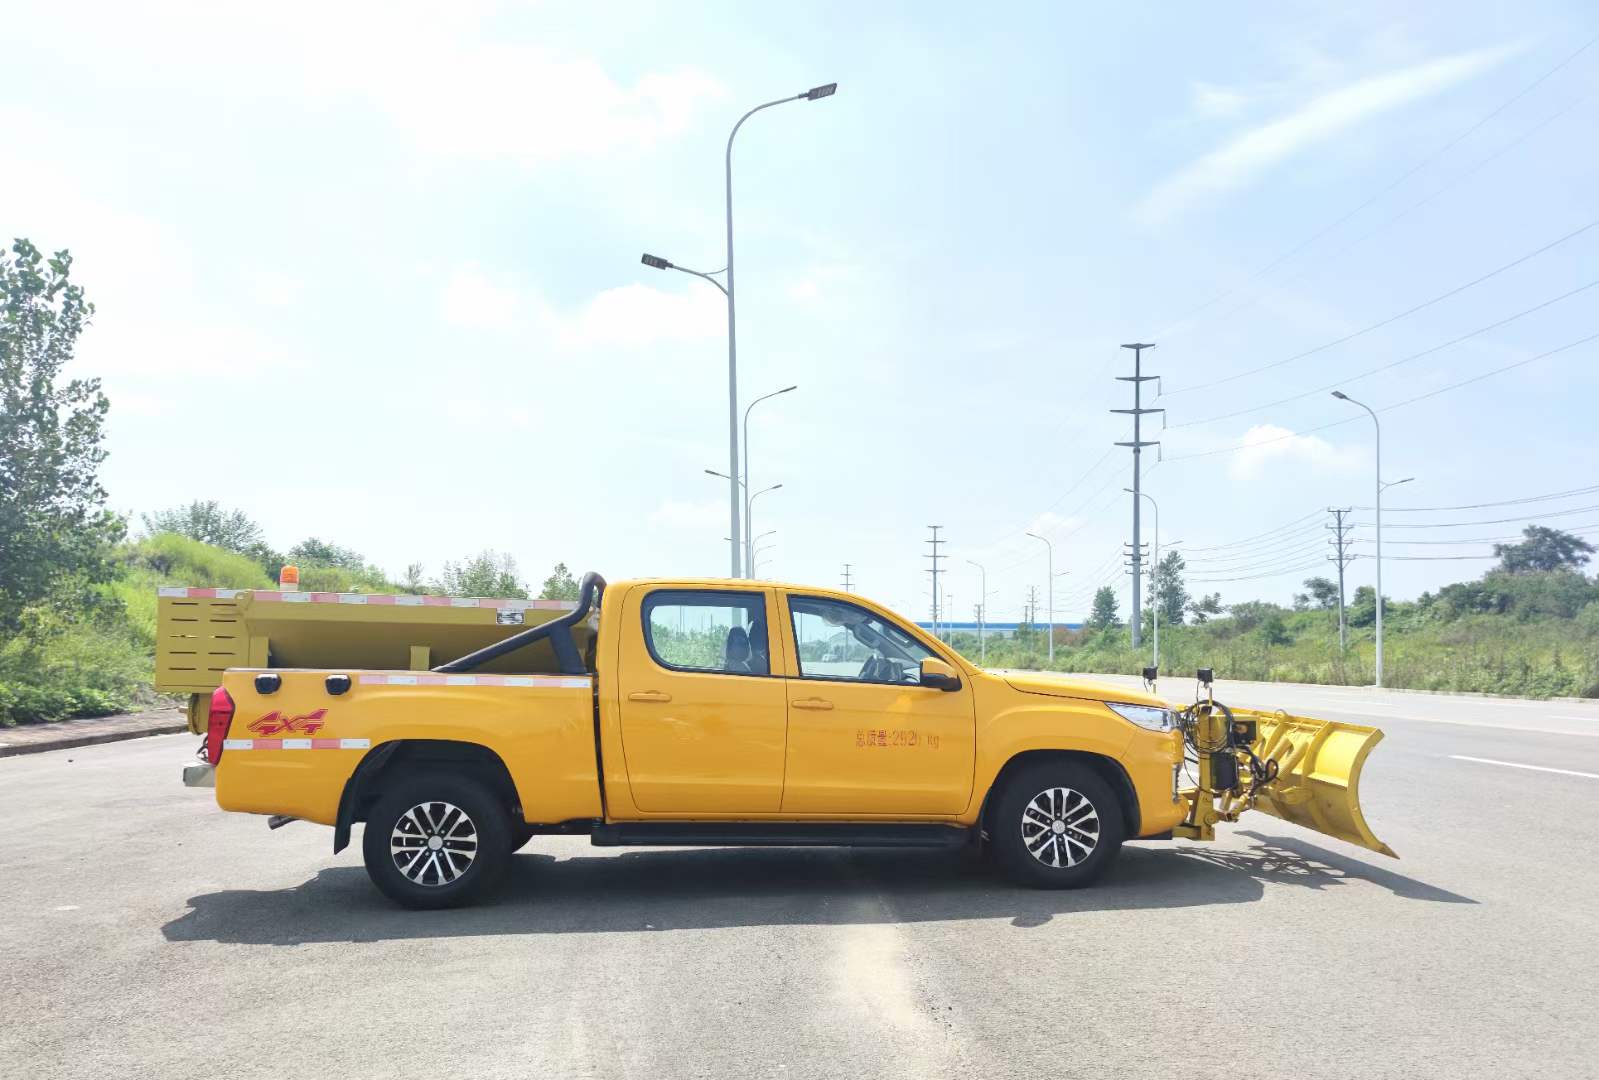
pixel 939 675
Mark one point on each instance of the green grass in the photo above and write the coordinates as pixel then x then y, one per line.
pixel 1500 654
pixel 102 661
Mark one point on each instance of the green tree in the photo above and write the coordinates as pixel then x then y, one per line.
pixel 487 573
pixel 560 585
pixel 1103 614
pixel 1205 607
pixel 1166 590
pixel 55 533
pixel 314 552
pixel 1324 591
pixel 1273 629
pixel 1543 549
pixel 207 522
pixel 412 582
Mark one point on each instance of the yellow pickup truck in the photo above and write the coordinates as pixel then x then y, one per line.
pixel 724 712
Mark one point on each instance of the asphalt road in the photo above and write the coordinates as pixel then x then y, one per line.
pixel 143 933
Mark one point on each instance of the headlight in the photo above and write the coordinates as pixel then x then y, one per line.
pixel 1145 716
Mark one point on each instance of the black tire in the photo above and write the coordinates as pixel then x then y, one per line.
pixel 521 833
pixel 1062 801
pixel 472 830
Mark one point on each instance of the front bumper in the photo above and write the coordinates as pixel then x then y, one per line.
pixel 200 774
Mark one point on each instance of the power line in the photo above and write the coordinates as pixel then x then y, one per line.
pixel 1456 291
pixel 1256 577
pixel 1486 521
pixel 1575 530
pixel 1386 408
pixel 1391 364
pixel 1075 485
pixel 1247 539
pixel 1486 505
pixel 1282 286
pixel 1310 541
pixel 1406 175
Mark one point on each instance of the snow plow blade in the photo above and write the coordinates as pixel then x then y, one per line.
pixel 1318 778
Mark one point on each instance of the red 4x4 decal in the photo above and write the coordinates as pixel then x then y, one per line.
pixel 275 723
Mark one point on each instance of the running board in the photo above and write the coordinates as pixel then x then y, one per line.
pixel 777 834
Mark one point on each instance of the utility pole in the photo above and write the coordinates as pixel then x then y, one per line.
pixel 934 542
pixel 982 644
pixel 1340 542
pixel 846 579
pixel 1138 379
pixel 1031 610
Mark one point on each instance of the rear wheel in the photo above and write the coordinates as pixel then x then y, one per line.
pixel 434 841
pixel 1057 825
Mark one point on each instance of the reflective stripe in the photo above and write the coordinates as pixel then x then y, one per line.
pixel 403 600
pixel 296 744
pixel 546 682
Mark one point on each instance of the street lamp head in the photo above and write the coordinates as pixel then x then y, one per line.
pixel 656 261
pixel 817 92
pixel 1140 345
pixel 786 389
pixel 1035 536
pixel 1340 395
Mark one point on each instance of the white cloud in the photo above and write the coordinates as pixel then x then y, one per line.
pixel 274 290
pixel 1267 445
pixel 446 81
pixel 635 315
pixel 1241 160
pixel 687 515
pixel 472 299
pixel 627 316
pixel 1212 100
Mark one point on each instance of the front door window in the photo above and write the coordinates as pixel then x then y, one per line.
pixel 838 640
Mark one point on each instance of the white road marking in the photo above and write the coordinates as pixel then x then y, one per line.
pixel 1590 719
pixel 67 907
pixel 1519 765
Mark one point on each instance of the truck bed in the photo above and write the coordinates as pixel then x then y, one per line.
pixel 294 760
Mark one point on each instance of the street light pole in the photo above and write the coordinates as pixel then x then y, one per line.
pixel 812 94
pixel 815 93
pixel 1051 565
pixel 748 544
pixel 750 516
pixel 1154 577
pixel 1340 395
pixel 982 643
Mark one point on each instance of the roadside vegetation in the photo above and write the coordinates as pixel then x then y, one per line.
pixel 1528 627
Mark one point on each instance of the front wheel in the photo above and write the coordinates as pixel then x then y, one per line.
pixel 1057 825
pixel 434 841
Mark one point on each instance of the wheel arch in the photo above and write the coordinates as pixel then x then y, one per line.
pixel 396 757
pixel 1107 768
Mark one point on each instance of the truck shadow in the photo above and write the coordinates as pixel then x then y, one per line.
pixel 653 890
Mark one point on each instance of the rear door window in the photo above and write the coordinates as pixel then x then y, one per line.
pixel 712 630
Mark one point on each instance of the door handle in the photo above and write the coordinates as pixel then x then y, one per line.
pixel 811 703
pixel 649 695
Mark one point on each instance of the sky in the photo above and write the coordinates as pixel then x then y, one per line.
pixel 370 272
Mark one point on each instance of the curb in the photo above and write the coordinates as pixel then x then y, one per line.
pixel 95 739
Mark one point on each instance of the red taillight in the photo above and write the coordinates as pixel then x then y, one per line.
pixel 216 728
